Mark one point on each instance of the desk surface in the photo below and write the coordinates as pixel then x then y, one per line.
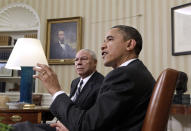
pixel 180 109
pixel 36 109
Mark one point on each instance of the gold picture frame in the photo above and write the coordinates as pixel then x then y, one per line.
pixel 64 39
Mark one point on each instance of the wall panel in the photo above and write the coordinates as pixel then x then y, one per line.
pixel 151 17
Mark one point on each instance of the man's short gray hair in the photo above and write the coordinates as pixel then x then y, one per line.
pixel 93 55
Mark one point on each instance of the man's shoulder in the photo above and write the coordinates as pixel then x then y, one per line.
pixel 131 67
pixel 96 78
pixel 95 75
pixel 99 75
pixel 76 80
pixel 134 69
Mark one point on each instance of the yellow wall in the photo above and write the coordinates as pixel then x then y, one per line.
pixel 151 17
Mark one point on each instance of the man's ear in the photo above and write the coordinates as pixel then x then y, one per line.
pixel 131 44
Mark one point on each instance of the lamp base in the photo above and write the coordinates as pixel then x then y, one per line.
pixel 29 106
pixel 26 84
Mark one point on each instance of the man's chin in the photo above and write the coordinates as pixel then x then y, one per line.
pixel 80 73
pixel 107 64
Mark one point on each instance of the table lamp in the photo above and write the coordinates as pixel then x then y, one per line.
pixel 26 53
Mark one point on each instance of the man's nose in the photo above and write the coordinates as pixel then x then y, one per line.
pixel 79 62
pixel 103 46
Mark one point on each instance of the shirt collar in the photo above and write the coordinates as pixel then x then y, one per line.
pixel 85 80
pixel 127 62
pixel 60 42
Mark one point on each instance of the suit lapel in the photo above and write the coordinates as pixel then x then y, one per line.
pixel 102 89
pixel 74 87
pixel 87 88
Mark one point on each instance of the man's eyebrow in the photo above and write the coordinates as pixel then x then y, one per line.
pixel 81 57
pixel 108 37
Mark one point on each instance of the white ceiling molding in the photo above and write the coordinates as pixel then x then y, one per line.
pixel 17 17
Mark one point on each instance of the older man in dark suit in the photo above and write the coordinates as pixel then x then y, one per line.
pixel 85 66
pixel 89 82
pixel 84 89
pixel 124 95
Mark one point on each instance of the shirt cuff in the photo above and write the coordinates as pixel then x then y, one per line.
pixel 57 94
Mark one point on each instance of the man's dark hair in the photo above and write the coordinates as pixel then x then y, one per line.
pixel 131 33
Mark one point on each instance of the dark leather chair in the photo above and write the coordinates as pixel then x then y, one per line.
pixel 159 106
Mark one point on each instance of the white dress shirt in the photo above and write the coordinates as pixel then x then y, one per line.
pixel 127 62
pixel 85 80
pixel 62 45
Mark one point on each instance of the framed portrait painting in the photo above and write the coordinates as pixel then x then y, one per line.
pixel 181 29
pixel 64 39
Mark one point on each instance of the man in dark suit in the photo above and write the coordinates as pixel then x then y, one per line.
pixel 61 50
pixel 124 95
pixel 88 95
pixel 85 66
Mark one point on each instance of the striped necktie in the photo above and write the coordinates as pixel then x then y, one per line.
pixel 78 90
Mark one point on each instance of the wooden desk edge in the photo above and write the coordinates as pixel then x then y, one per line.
pixel 180 109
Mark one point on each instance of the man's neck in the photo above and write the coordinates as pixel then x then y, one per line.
pixel 127 62
pixel 127 58
pixel 88 76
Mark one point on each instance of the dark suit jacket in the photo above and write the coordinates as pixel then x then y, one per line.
pixel 120 106
pixel 57 52
pixel 85 100
pixel 89 93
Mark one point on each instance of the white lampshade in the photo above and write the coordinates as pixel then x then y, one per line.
pixel 27 52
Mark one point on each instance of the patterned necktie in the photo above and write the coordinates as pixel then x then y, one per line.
pixel 78 90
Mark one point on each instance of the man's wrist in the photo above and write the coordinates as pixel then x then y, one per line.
pixel 53 91
pixel 57 94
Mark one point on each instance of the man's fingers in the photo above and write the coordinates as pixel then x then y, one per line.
pixel 57 126
pixel 44 68
pixel 38 76
pixel 38 69
pixel 54 125
pixel 58 129
pixel 35 76
pixel 40 65
pixel 48 70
